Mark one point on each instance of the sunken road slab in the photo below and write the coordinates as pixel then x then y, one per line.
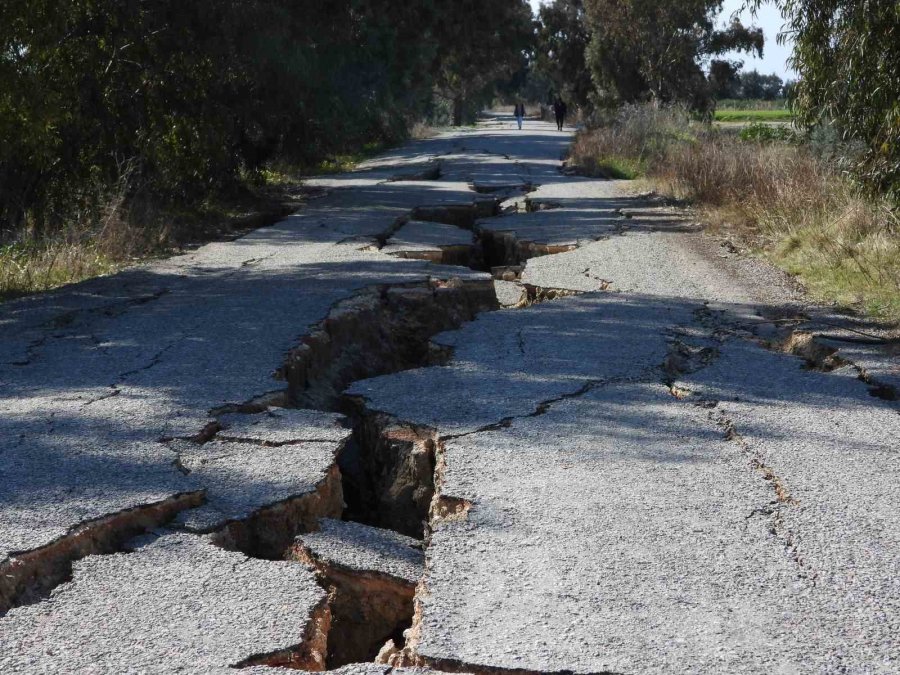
pixel 505 364
pixel 257 460
pixel 283 426
pixel 241 478
pixel 175 604
pixel 360 548
pixel 571 213
pixel 422 236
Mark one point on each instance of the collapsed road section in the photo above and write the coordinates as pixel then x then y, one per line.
pixel 321 447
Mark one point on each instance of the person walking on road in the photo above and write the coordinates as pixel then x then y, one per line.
pixel 560 109
pixel 520 113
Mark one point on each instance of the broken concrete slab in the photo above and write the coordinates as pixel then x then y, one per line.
pixel 241 479
pixel 505 364
pixel 360 548
pixel 282 426
pixel 434 241
pixel 425 235
pixel 372 574
pixel 660 260
pixel 175 604
pixel 614 533
pixel 509 293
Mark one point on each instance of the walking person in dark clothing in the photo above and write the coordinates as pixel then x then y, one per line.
pixel 560 109
pixel 520 113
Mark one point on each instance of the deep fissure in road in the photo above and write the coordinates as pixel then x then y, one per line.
pixel 386 472
pixel 387 476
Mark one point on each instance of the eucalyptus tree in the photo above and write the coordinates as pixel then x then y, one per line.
pixel 563 37
pixel 847 58
pixel 655 50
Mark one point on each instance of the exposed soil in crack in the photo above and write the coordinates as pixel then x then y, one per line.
pixel 388 473
pixel 535 205
pixel 496 250
pixel 270 531
pixel 783 498
pixel 506 188
pixel 823 357
pixel 503 249
pixel 29 577
pixel 684 358
pixel 431 171
pixel 368 609
pixel 817 355
pixel 379 332
pixel 455 255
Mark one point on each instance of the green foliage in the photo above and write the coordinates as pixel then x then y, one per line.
pixel 758 132
pixel 751 104
pixel 180 100
pixel 614 167
pixel 649 50
pixel 563 37
pixel 724 79
pixel 751 115
pixel 479 42
pixel 847 56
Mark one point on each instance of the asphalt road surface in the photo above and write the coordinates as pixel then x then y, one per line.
pixel 575 433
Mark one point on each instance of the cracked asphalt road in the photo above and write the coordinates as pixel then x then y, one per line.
pixel 629 508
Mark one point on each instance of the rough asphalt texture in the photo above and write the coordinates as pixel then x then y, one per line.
pixel 651 487
pixel 357 547
pixel 257 460
pixel 177 604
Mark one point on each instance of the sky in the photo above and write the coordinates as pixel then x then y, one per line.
pixel 769 19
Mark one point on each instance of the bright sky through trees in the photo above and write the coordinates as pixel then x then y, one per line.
pixel 769 19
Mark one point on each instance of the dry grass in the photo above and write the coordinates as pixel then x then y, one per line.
pixel 96 246
pixel 789 205
pixel 423 130
pixel 123 234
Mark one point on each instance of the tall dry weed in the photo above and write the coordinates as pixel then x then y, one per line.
pixel 789 203
pixel 98 241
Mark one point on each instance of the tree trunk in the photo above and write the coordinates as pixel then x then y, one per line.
pixel 458 106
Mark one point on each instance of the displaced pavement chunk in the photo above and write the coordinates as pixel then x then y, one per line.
pixel 176 604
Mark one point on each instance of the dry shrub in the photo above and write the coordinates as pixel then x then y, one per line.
pixel 797 210
pixel 633 138
pixel 97 242
pixel 792 206
pixel 422 130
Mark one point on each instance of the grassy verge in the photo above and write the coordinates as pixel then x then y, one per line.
pixel 127 232
pixel 345 162
pixel 121 236
pixel 780 198
pixel 777 115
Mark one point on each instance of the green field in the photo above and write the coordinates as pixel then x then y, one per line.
pixel 776 115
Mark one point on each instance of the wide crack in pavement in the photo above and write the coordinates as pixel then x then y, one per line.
pixel 633 474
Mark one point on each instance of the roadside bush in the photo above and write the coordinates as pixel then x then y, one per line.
pixel 768 133
pixel 622 143
pixel 787 200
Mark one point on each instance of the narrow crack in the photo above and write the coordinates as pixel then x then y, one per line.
pixel 69 318
pixel 28 577
pixel 783 497
pixel 116 386
pixel 543 407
